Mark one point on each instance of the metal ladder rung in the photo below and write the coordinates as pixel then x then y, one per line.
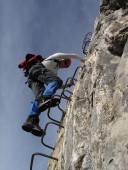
pixel 46 126
pixel 40 154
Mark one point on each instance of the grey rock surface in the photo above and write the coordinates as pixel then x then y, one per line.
pixel 95 136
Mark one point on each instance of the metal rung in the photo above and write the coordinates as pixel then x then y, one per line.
pixel 73 77
pixel 40 154
pixel 86 42
pixel 49 109
pixel 45 133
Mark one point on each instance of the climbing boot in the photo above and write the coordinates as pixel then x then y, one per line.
pixel 27 126
pixel 44 104
pixel 32 125
pixel 36 129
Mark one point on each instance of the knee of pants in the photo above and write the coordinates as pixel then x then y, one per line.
pixel 59 81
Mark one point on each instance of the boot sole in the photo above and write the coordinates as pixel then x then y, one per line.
pixel 30 129
pixel 55 102
pixel 34 132
pixel 27 128
pixel 37 133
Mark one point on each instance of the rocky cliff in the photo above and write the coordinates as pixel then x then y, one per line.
pixel 95 136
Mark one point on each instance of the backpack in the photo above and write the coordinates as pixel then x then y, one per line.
pixel 30 60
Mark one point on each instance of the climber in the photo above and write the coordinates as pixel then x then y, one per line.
pixel 42 73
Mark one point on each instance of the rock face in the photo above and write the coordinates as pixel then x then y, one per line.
pixel 95 136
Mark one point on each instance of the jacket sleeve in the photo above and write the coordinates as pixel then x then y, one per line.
pixel 60 56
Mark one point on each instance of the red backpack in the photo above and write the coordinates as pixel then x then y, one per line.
pixel 30 60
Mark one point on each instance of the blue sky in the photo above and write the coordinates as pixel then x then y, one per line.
pixel 40 27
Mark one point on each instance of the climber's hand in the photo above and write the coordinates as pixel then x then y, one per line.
pixel 83 60
pixel 71 83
